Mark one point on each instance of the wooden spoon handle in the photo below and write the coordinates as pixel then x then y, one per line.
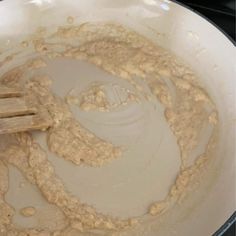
pixel 23 123
pixel 14 107
pixel 6 92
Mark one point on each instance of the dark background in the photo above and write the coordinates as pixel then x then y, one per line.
pixel 222 14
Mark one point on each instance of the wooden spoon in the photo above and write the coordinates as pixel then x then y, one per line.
pixel 17 116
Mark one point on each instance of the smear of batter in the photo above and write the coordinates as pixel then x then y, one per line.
pixel 95 98
pixel 28 211
pixel 67 137
pixel 123 53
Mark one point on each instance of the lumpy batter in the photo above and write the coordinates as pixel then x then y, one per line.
pixel 28 211
pixel 95 98
pixel 123 53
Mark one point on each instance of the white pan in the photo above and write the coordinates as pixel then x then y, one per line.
pixel 191 37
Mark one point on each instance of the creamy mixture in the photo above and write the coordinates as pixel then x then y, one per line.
pixel 95 98
pixel 123 53
pixel 28 211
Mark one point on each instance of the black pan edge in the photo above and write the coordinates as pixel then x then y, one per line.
pixel 229 223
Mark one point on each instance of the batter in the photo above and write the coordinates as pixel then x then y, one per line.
pixel 123 53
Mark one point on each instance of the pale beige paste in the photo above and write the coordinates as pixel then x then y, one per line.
pixel 125 54
pixel 28 211
pixel 95 98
